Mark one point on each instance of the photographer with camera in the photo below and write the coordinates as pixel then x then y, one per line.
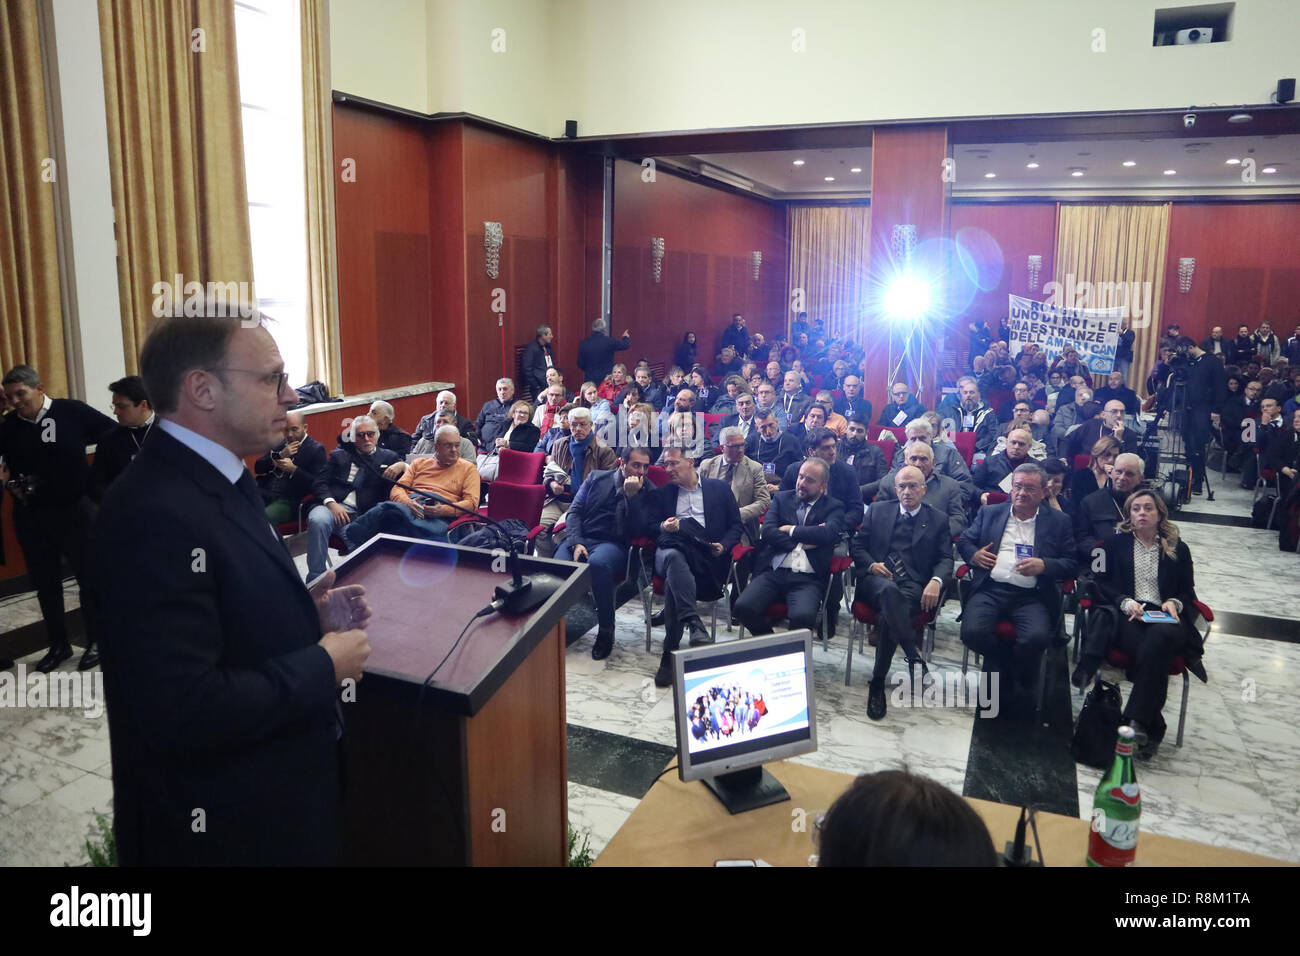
pixel 43 464
pixel 1203 384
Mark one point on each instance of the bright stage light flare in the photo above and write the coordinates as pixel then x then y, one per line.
pixel 907 297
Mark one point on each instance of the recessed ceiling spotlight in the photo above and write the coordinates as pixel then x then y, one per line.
pixel 1130 162
pixel 830 179
pixel 1240 118
pixel 798 162
pixel 1269 169
pixel 1077 172
pixel 1171 172
pixel 990 175
pixel 856 169
pixel 1031 165
pixel 1233 162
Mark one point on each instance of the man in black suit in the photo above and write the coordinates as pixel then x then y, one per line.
pixel 1019 552
pixel 853 403
pixel 1207 388
pixel 596 351
pixel 1109 423
pixel 994 470
pixel 696 523
pixel 538 357
pixel 286 474
pixel 345 488
pixel 902 407
pixel 1116 389
pixel 800 531
pixel 220 673
pixel 1100 512
pixel 494 417
pixel 777 450
pixel 118 448
pixel 793 400
pixel 746 421
pixel 902 555
pixel 843 486
pixel 866 460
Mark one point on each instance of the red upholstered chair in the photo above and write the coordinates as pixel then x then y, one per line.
pixel 965 442
pixel 1117 658
pixel 840 564
pixel 651 584
pixel 658 475
pixel 520 467
pixel 522 502
pixel 997 497
pixel 1081 462
pixel 837 393
pixel 816 382
pixel 711 423
pixel 999 398
pixel 887 448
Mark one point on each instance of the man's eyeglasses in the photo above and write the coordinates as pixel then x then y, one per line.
pixel 278 379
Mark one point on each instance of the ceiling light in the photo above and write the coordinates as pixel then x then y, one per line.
pixel 1171 172
pixel 798 162
pixel 830 179
pixel 1240 118
pixel 1130 162
pixel 1269 169
pixel 1233 162
pixel 990 175
pixel 1031 165
pixel 1077 172
pixel 856 169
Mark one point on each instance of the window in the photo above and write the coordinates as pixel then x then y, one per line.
pixel 270 87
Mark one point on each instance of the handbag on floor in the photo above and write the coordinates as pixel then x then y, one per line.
pixel 1098 726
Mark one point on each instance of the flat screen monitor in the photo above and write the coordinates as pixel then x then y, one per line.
pixel 739 705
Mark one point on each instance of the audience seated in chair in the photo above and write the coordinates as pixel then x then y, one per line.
pixel 285 474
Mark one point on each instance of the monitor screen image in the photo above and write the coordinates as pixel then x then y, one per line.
pixel 741 704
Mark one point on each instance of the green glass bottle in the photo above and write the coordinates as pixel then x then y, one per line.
pixel 1116 808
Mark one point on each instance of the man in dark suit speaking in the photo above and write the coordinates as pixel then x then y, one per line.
pixel 220 667
pixel 902 554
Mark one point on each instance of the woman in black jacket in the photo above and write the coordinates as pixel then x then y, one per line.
pixel 1146 568
pixel 685 355
pixel 520 435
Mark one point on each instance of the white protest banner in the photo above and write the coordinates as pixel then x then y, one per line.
pixel 1093 333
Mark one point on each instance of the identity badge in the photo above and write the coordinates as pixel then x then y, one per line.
pixel 1024 552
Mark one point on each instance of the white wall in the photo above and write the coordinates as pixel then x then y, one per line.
pixel 622 66
pixel 379 49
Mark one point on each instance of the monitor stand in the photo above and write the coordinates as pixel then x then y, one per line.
pixel 748 789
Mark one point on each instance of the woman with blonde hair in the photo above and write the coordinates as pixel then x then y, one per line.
pixel 1146 584
pixel 520 435
pixel 1085 481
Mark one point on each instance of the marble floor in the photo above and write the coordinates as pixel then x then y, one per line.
pixel 1234 782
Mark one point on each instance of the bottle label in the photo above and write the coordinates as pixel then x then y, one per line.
pixel 1115 844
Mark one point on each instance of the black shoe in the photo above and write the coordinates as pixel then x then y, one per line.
pixel 1148 750
pixel 55 657
pixel 1081 677
pixel 604 644
pixel 657 619
pixel 700 635
pixel 876 701
pixel 89 659
pixel 664 676
pixel 1197 667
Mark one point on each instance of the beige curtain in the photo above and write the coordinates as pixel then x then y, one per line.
pixel 176 150
pixel 829 246
pixel 31 308
pixel 318 149
pixel 1119 243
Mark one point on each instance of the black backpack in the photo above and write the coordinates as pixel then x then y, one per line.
pixel 1098 726
pixel 1259 513
pixel 312 393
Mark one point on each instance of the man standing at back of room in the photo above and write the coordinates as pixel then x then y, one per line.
pixel 596 351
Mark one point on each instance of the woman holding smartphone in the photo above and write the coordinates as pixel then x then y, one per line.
pixel 1147 577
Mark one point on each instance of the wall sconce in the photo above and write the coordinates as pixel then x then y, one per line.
pixel 492 236
pixel 1035 266
pixel 903 242
pixel 757 259
pixel 657 257
pixel 1185 269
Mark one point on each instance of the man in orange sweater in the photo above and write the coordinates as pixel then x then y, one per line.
pixel 443 473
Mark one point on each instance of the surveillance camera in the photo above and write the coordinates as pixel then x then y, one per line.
pixel 1189 120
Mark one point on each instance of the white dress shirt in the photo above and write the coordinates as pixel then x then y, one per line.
pixel 1017 532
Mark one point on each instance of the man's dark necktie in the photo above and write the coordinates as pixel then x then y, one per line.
pixel 248 487
pixel 731 470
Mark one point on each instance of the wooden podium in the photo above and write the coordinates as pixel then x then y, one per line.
pixel 470 769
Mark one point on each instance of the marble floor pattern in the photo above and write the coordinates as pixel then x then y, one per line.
pixel 1234 781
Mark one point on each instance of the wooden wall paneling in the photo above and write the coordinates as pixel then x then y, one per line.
pixel 1282 301
pixel 1234 292
pixel 448 254
pixel 403 305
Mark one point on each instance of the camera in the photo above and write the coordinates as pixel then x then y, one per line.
pixel 23 486
pixel 1189 120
